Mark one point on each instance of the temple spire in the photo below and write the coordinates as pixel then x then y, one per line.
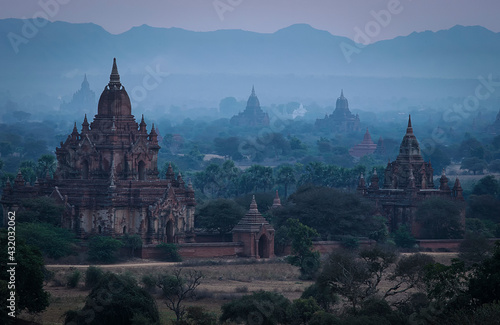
pixel 341 93
pixel 253 90
pixel 409 129
pixel 114 78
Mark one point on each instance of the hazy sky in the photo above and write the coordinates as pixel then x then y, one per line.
pixel 339 17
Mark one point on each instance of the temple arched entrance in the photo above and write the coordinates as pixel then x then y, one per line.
pixel 263 247
pixel 169 229
pixel 141 170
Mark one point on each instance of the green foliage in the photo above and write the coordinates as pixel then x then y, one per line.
pixel 286 176
pixel 196 315
pixel 324 318
pixel 149 282
pixel 321 294
pixel 53 241
pixel 93 275
pixel 132 242
pixel 262 307
pixel 487 185
pixel 116 299
pixel 307 260
pixel 302 310
pixel 281 240
pixel 219 215
pixel 330 212
pixel 103 249
pixel 474 249
pixel 403 237
pixel 440 219
pixel 484 207
pixel 169 252
pixel 40 209
pixel 73 279
pixel 485 284
pixel 474 164
pixel 30 274
pixel 349 242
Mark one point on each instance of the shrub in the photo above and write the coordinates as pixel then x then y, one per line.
pixel 262 307
pixel 92 276
pixel 403 237
pixel 170 252
pixel 103 249
pixel 73 279
pixel 116 299
pixel 198 316
pixel 149 282
pixel 132 242
pixel 350 242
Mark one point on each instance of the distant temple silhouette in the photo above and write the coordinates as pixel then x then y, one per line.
pixel 341 120
pixel 407 181
pixel 253 115
pixel 366 147
pixel 495 127
pixel 83 100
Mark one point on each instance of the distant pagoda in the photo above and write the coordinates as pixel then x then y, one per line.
pixel 366 147
pixel 341 120
pixel 253 115
pixel 83 100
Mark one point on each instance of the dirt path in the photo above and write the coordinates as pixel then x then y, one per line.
pixel 112 265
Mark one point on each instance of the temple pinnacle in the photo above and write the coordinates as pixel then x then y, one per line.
pixel 114 78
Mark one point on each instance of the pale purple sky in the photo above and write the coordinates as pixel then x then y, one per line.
pixel 339 17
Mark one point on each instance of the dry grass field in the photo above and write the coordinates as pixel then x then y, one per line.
pixel 222 282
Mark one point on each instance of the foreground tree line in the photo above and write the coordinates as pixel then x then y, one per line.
pixel 369 286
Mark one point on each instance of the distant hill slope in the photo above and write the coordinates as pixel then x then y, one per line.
pixel 49 56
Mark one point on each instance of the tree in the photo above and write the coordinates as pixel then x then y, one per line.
pixel 285 176
pixel 262 307
pixel 40 209
pixel 260 177
pixel 116 299
pixel 46 164
pixel 474 164
pixel 403 237
pixel 474 249
pixel 302 310
pixel 29 275
pixel 494 166
pixel 487 185
pixel 408 274
pixel 177 288
pixel 303 255
pixel 169 252
pixel 132 242
pixel 103 249
pixel 54 242
pixel 484 207
pixel 440 219
pixel 219 215
pixel 330 212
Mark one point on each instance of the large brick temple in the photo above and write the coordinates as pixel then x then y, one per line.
pixel 107 178
pixel 407 182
